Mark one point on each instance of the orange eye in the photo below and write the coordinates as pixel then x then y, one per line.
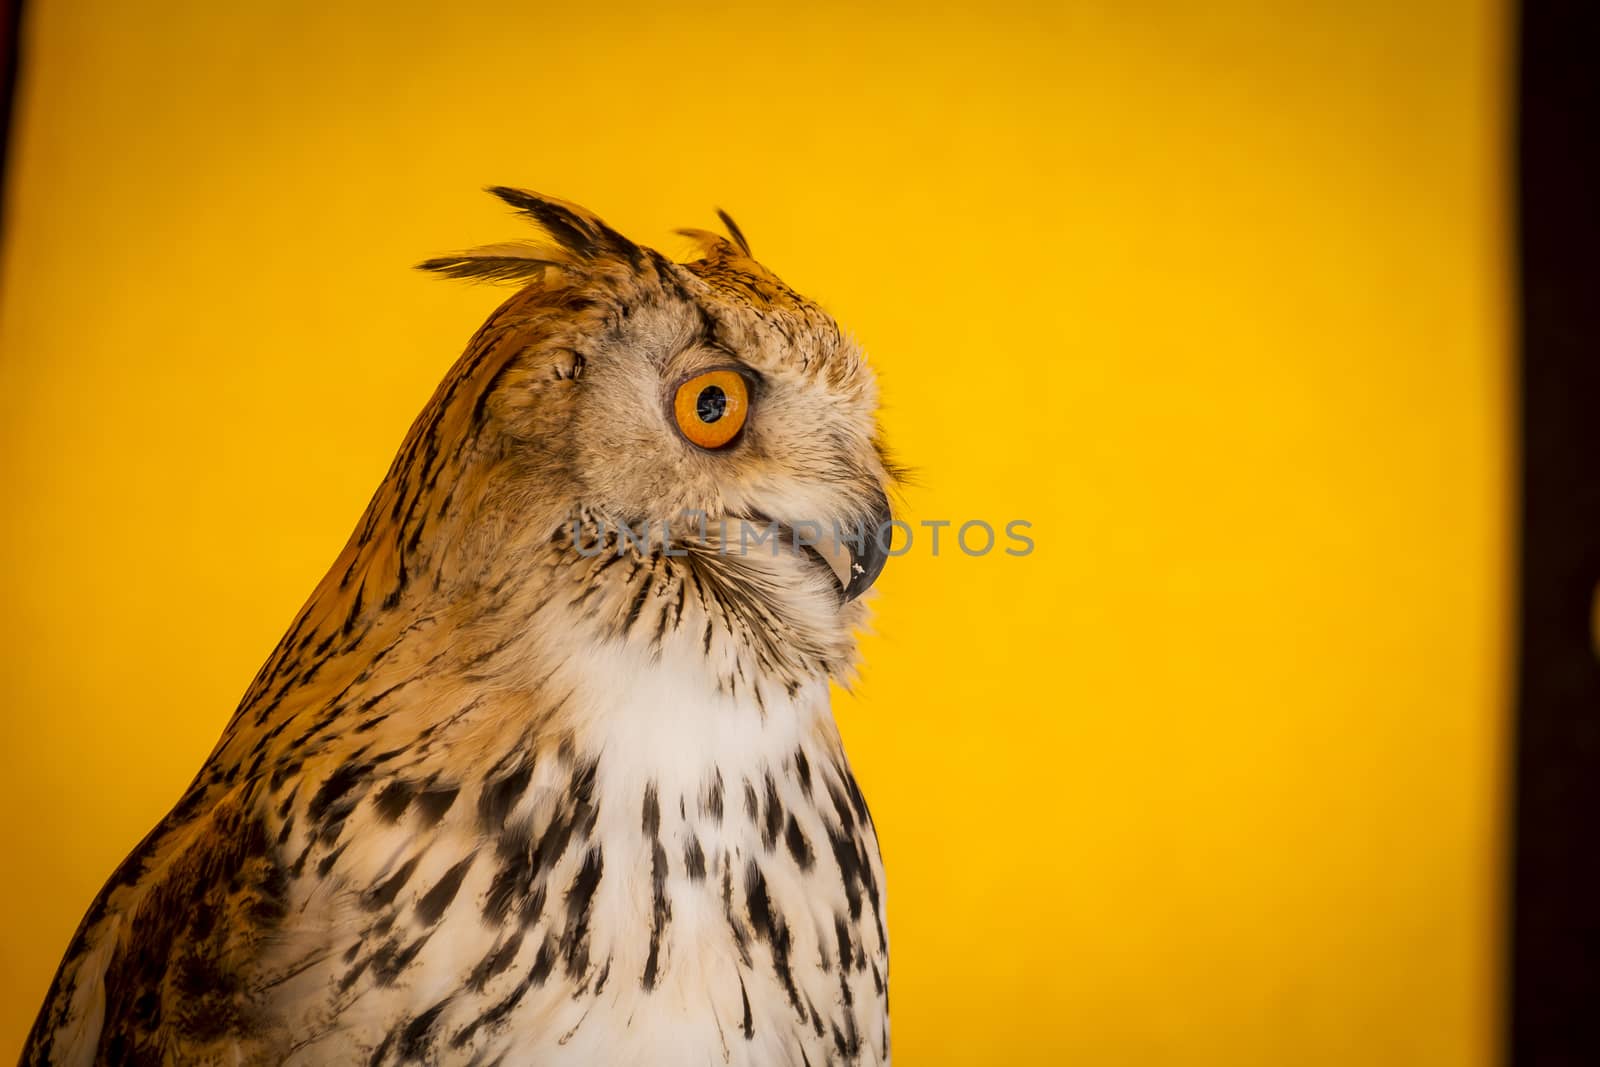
pixel 711 407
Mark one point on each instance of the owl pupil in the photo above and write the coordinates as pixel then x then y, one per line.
pixel 711 403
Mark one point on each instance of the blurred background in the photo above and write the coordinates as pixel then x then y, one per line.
pixel 1219 297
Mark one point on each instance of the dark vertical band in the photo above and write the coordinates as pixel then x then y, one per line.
pixel 10 54
pixel 1555 965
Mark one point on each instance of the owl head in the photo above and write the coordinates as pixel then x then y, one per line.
pixel 620 389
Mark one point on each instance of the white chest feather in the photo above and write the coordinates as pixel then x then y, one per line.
pixel 691 879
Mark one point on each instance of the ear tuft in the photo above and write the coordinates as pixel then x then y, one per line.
pixel 707 242
pixel 505 262
pixel 572 227
pixel 734 232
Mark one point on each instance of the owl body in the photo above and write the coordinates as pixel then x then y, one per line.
pixel 517 786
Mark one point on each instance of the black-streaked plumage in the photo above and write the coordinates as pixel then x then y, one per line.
pixel 515 788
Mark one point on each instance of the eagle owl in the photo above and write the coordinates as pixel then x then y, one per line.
pixel 544 771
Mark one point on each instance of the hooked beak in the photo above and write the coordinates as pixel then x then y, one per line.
pixel 857 554
pixel 867 560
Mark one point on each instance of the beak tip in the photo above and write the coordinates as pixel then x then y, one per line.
pixel 865 567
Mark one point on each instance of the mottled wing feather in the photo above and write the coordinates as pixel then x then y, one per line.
pixel 153 973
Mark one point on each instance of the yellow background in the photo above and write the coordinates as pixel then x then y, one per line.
pixel 1214 295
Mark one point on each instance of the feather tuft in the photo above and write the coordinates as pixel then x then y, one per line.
pixel 734 231
pixel 708 243
pixel 572 227
pixel 504 262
